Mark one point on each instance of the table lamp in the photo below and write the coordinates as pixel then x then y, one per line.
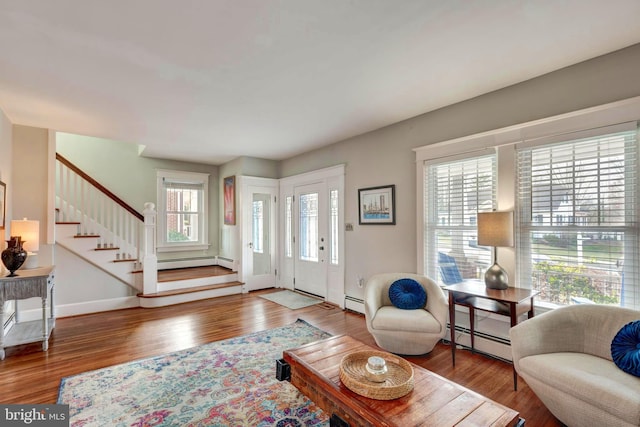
pixel 495 229
pixel 29 232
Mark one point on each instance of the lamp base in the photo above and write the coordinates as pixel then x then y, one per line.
pixel 496 278
pixel 31 262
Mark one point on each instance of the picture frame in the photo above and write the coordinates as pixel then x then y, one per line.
pixel 229 191
pixel 377 205
pixel 3 204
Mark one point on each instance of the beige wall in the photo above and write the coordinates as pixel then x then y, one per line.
pixel 249 166
pixel 30 181
pixel 6 169
pixel 6 139
pixel 385 156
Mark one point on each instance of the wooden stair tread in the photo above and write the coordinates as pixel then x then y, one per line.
pixel 83 236
pixel 67 223
pixel 190 290
pixel 192 273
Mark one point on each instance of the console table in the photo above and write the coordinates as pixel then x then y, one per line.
pixel 33 283
pixel 511 302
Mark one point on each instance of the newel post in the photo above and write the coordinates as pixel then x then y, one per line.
pixel 150 259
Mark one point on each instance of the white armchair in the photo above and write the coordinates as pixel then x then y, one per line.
pixel 408 332
pixel 565 357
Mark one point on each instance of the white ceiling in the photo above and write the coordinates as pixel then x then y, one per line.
pixel 210 80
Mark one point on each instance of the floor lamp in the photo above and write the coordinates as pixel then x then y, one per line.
pixel 495 229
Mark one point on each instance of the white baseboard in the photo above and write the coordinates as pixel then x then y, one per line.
pixel 227 263
pixel 187 262
pixel 76 309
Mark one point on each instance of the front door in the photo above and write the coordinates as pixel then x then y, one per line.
pixel 311 239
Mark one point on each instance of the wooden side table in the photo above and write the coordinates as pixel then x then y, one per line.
pixel 37 282
pixel 511 302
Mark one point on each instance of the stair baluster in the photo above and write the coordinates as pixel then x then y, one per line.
pixel 98 215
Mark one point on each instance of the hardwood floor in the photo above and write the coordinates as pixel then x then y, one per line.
pixel 83 343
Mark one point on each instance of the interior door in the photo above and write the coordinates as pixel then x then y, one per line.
pixel 259 256
pixel 311 239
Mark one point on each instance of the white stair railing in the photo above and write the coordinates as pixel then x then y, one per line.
pixel 98 212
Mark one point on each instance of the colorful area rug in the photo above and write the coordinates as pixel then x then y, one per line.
pixel 225 383
pixel 289 299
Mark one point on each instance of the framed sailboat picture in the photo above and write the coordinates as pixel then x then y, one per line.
pixel 376 205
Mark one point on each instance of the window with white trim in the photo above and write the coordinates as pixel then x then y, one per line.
pixel 577 232
pixel 334 229
pixel 258 226
pixel 182 210
pixel 455 191
pixel 288 227
pixel 309 223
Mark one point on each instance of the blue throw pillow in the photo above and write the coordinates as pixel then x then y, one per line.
pixel 625 348
pixel 407 294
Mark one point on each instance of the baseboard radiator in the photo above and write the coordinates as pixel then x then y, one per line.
pixel 485 343
pixel 354 304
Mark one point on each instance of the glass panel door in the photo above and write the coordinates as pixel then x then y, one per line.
pixel 310 263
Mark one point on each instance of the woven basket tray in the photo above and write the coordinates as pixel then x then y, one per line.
pixel 398 383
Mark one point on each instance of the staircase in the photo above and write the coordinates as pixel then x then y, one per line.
pixel 99 227
pixel 106 256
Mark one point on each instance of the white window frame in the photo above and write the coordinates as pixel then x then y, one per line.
pixel 203 210
pixel 463 222
pixel 504 140
pixel 564 224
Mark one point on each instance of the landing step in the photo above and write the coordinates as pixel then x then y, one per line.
pixel 192 273
pixel 190 290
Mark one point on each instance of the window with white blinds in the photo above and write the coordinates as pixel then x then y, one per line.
pixel 455 191
pixel 577 220
pixel 182 209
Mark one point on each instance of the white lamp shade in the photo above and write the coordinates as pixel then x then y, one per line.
pixel 29 232
pixel 495 229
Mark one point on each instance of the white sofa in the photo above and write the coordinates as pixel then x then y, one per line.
pixel 565 357
pixel 405 332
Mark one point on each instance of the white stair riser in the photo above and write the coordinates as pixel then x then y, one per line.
pixel 192 296
pixel 192 283
pixel 85 247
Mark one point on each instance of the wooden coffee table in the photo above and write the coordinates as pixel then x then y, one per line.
pixel 434 401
